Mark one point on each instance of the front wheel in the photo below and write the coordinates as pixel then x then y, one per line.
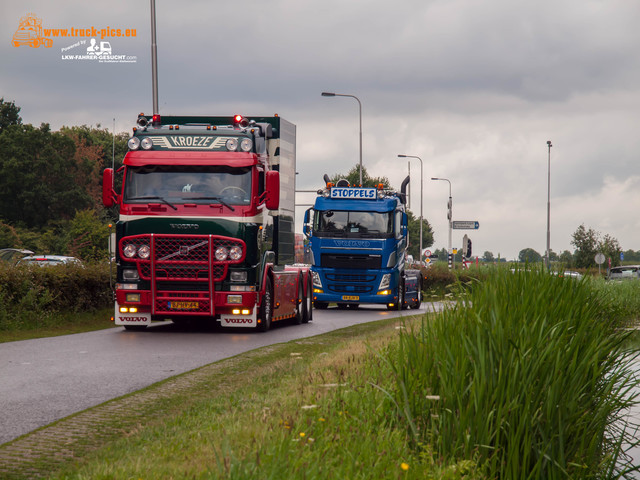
pixel 300 304
pixel 401 305
pixel 266 307
pixel 308 301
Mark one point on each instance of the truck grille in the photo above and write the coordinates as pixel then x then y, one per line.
pixel 350 278
pixel 350 288
pixel 351 261
pixel 182 269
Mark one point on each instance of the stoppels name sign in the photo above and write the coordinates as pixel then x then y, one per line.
pixel 353 193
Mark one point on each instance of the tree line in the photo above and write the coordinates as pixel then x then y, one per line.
pixel 51 186
pixel 51 196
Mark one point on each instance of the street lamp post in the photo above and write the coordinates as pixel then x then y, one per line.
pixel 421 202
pixel 331 94
pixel 449 212
pixel 549 205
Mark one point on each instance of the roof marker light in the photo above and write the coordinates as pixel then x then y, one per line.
pixel 240 121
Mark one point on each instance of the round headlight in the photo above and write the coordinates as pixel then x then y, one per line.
pixel 235 253
pixel 146 143
pixel 221 254
pixel 130 250
pixel 246 144
pixel 144 251
pixel 232 144
pixel 133 143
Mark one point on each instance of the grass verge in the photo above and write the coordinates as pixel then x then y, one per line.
pixel 56 324
pixel 525 377
pixel 303 409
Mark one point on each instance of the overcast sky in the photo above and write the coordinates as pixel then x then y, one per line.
pixel 474 88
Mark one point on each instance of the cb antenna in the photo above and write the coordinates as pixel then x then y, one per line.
pixel 154 58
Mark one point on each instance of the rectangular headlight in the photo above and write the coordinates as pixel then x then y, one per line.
pixel 130 274
pixel 133 297
pixel 238 276
pixel 234 298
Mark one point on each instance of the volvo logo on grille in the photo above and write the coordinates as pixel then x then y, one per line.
pixel 185 226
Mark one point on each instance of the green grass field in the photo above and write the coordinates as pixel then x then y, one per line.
pixel 527 376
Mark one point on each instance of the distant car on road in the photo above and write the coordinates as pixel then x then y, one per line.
pixel 13 255
pixel 624 272
pixel 48 260
pixel 570 274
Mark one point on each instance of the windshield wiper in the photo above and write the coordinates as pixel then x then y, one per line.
pixel 163 200
pixel 222 202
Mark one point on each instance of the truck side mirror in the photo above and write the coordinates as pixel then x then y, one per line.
pixel 108 195
pixel 306 227
pixel 272 188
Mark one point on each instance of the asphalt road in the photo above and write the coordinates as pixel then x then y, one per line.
pixel 44 380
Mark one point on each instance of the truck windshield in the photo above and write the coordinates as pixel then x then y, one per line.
pixel 335 223
pixel 188 184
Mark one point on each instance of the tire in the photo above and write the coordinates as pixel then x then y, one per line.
pixel 266 307
pixel 308 301
pixel 300 304
pixel 320 305
pixel 401 305
pixel 418 302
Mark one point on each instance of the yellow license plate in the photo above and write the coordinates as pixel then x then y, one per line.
pixel 350 297
pixel 184 305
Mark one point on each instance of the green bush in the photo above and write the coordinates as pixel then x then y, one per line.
pixel 31 295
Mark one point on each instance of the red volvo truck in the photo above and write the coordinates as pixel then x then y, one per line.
pixel 206 223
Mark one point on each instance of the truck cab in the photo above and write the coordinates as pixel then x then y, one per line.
pixel 358 239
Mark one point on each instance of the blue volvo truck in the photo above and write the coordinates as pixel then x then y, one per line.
pixel 359 238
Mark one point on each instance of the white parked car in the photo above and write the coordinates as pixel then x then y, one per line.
pixel 624 272
pixel 48 260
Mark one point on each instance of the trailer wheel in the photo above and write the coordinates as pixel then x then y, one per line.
pixel 300 303
pixel 308 301
pixel 266 307
pixel 418 302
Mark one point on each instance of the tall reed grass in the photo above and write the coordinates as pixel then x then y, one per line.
pixel 527 374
